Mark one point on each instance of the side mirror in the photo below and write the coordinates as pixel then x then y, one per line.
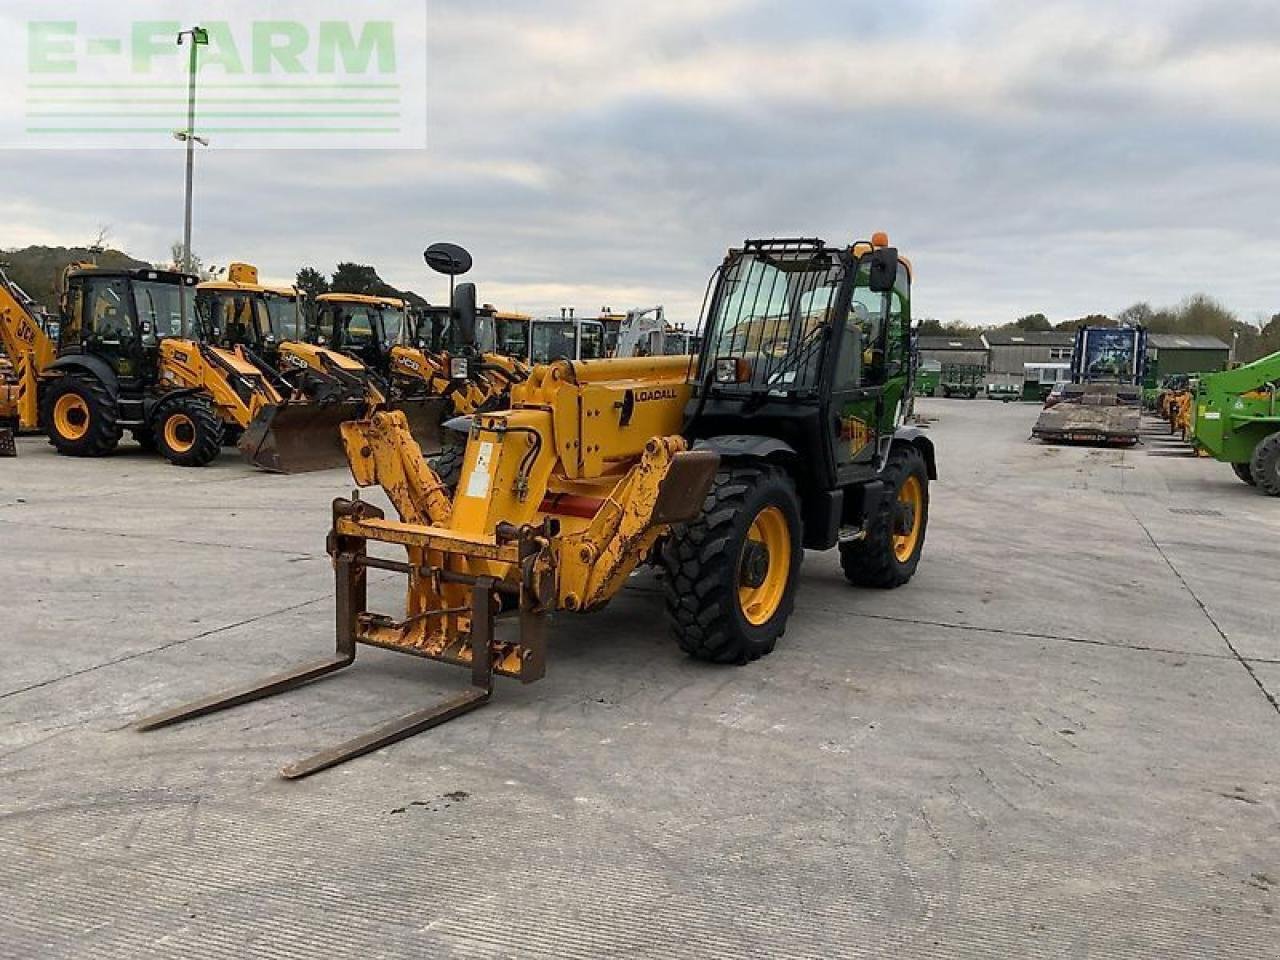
pixel 447 258
pixel 884 269
pixel 464 313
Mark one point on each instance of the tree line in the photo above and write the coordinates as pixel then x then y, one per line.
pixel 1198 314
pixel 357 278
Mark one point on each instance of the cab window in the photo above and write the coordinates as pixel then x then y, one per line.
pixel 107 303
pixel 868 313
pixel 359 325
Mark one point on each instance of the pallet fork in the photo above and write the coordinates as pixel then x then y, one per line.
pixel 351 561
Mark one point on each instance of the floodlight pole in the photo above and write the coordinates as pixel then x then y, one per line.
pixel 199 36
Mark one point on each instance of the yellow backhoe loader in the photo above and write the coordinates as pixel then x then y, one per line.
pixel 27 349
pixel 784 434
pixel 321 387
pixel 129 357
pixel 429 354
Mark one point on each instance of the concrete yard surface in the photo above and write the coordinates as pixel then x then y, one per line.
pixel 1060 740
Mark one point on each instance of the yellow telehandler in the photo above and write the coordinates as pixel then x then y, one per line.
pixel 784 434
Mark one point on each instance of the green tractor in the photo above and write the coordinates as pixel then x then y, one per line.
pixel 1236 418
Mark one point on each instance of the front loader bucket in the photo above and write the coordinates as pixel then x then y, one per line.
pixel 425 417
pixel 299 437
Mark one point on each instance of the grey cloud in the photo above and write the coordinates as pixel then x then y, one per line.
pixel 1053 167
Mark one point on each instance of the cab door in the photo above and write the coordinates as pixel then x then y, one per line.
pixel 858 384
pixel 109 325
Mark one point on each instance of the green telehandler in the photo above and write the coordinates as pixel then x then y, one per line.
pixel 1237 420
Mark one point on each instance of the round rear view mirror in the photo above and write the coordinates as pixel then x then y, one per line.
pixel 447 258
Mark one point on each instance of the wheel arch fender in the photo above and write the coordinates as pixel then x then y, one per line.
pixel 155 408
pixel 86 363
pixel 915 437
pixel 820 509
pixel 749 446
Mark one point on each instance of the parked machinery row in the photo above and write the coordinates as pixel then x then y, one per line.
pixel 185 367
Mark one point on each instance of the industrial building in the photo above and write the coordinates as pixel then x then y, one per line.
pixel 1014 356
pixel 1172 353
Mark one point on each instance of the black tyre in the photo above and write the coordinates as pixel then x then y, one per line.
pixel 145 438
pixel 448 464
pixel 731 573
pixel 888 555
pixel 79 416
pixel 1245 472
pixel 1266 465
pixel 188 432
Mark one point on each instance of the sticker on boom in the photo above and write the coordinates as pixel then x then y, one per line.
pixel 478 482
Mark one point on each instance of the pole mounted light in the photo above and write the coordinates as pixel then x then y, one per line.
pixel 199 37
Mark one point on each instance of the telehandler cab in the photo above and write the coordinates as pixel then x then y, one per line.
pixel 785 433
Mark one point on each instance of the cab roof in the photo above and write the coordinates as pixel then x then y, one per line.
pixel 361 298
pixel 151 274
pixel 230 286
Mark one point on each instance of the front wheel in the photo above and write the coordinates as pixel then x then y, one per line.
pixel 889 552
pixel 1265 465
pixel 188 432
pixel 731 573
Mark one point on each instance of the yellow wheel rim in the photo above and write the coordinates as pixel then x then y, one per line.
pixel 911 495
pixel 179 433
pixel 71 416
pixel 764 566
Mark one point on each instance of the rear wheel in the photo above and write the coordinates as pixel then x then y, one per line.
pixel 80 416
pixel 731 573
pixel 1266 465
pixel 1245 472
pixel 188 432
pixel 888 555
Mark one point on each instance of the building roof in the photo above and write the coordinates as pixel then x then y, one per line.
pixel 1029 338
pixel 952 343
pixel 1185 341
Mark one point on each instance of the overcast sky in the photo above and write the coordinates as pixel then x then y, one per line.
pixel 1027 156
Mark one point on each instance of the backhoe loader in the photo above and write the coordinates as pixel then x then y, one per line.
pixel 784 434
pixel 129 358
pixel 27 349
pixel 423 355
pixel 321 387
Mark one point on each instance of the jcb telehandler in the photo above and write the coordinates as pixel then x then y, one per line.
pixel 784 434
pixel 129 358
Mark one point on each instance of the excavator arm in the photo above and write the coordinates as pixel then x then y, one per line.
pixel 30 350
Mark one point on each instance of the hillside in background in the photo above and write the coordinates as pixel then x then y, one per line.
pixel 38 270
